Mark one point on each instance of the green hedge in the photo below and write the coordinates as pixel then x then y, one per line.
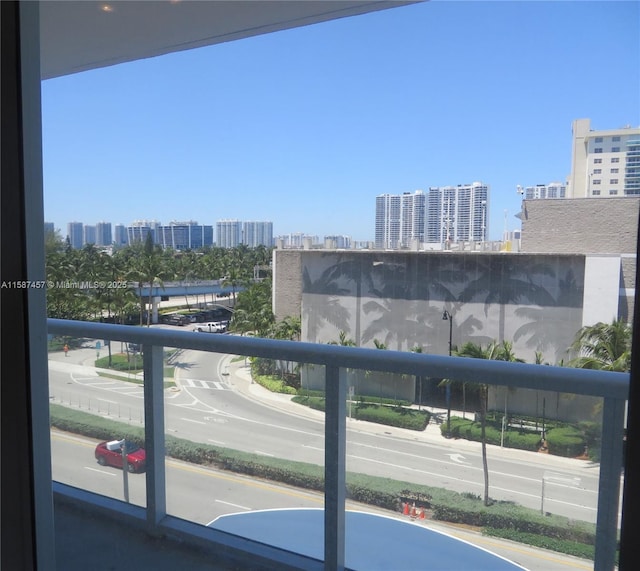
pixel 567 441
pixel 274 384
pixel 561 441
pixel 391 416
pixel 574 548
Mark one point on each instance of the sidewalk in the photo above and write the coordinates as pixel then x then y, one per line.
pixel 240 377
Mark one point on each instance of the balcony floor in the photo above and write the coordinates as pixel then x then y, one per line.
pixel 84 541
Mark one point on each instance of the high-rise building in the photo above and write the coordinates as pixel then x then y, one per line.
pixel 139 229
pixel 412 218
pixel 338 241
pixel 184 235
pixel 228 233
pixel 542 191
pixel 400 220
pixel 75 234
pixel 103 234
pixel 604 163
pixel 387 234
pixel 49 228
pixel 88 234
pixel 257 234
pixel 457 213
pixel 120 235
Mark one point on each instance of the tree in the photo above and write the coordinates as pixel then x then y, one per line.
pixel 253 310
pixel 603 346
pixel 497 352
pixel 152 269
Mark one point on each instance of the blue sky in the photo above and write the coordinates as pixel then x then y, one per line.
pixel 306 127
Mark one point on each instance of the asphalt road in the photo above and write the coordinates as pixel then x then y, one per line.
pixel 216 406
pixel 201 494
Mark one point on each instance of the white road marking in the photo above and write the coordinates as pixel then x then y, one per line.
pixel 313 447
pixel 216 442
pixel 99 471
pixel 234 505
pixel 264 453
pixel 191 420
pixel 474 483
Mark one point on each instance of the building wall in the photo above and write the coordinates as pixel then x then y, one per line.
pixel 287 283
pixel 581 226
pixel 397 298
pixel 599 160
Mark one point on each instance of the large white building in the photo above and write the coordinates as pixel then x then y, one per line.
pixel 257 234
pixel 604 163
pixel 457 214
pixel 228 233
pixel 400 220
pixel 542 191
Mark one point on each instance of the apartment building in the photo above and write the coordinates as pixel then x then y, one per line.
pixel 542 191
pixel 400 220
pixel 228 233
pixel 120 235
pixel 604 163
pixel 255 233
pixel 103 234
pixel 184 235
pixel 457 213
pixel 139 229
pixel 75 234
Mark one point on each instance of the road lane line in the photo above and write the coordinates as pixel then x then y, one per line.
pixel 313 447
pixel 194 421
pixel 234 505
pixel 99 471
pixel 471 467
pixel 461 480
pixel 264 453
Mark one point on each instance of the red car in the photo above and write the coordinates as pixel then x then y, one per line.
pixel 109 453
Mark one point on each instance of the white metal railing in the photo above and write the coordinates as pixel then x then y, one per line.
pixel 613 387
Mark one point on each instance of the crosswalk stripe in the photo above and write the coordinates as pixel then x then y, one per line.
pixel 199 384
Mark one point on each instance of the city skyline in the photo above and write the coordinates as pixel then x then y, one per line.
pixel 305 127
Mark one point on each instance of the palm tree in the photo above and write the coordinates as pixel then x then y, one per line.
pixel 603 346
pixel 253 310
pixel 153 270
pixel 491 351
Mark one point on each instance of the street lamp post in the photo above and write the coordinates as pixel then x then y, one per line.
pixel 446 316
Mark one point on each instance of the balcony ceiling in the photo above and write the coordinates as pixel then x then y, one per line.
pixel 82 35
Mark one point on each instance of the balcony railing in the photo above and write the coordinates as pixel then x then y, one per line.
pixel 612 387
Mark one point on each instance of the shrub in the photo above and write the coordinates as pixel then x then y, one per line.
pixel 274 384
pixel 567 441
pixel 470 430
pixel 396 416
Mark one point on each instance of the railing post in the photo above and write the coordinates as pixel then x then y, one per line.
pixel 334 468
pixel 152 358
pixel 609 484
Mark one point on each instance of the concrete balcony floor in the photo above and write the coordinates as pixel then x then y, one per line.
pixel 84 541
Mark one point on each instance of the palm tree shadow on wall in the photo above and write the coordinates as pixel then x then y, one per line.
pixel 329 309
pixel 550 326
pixel 501 281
